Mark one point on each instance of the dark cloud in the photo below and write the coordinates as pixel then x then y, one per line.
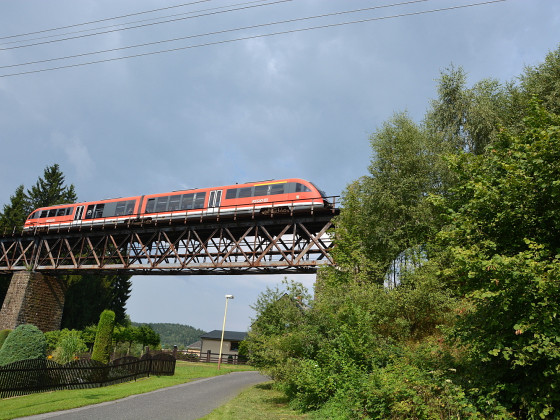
pixel 300 104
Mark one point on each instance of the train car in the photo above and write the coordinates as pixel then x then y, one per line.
pixel 264 197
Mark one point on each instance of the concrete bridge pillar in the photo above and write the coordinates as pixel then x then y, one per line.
pixel 33 298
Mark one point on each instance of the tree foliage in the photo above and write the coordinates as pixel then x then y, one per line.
pixel 147 336
pixel 504 245
pixel 445 296
pixel 279 324
pixel 14 214
pixel 464 118
pixel 543 82
pixel 175 334
pixel 386 214
pixel 88 295
pixel 51 189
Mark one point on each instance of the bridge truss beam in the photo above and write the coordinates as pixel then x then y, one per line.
pixel 295 244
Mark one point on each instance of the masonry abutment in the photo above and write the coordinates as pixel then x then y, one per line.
pixel 33 298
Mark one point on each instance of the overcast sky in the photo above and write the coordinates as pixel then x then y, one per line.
pixel 297 104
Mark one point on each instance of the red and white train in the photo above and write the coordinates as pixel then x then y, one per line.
pixel 278 196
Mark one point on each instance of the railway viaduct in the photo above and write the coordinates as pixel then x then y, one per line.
pixel 249 244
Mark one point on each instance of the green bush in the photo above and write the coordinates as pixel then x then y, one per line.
pixel 3 335
pixel 25 342
pixel 69 346
pixel 52 337
pixel 104 337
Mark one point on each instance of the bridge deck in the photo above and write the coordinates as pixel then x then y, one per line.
pixel 214 244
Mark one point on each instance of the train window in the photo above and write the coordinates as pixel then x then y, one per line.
pixel 276 189
pixel 245 192
pixel 44 213
pixel 130 206
pixel 119 208
pixel 199 200
pixel 161 204
pixel 301 188
pixel 174 202
pixel 61 212
pixel 89 212
pixel 231 193
pixel 52 213
pixel 261 190
pixel 69 211
pixel 110 209
pixel 187 201
pixel 98 213
pixel 150 205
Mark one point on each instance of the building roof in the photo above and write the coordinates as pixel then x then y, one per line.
pixel 228 335
pixel 195 345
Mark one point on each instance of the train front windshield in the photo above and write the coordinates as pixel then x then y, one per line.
pixel 323 194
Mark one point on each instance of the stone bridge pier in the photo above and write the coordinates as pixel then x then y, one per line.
pixel 33 298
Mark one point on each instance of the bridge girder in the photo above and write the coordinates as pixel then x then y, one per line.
pixel 295 244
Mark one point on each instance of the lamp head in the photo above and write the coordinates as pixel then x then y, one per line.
pixel 229 296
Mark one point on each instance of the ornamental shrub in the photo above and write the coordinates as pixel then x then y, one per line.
pixel 104 337
pixel 52 337
pixel 69 346
pixel 25 342
pixel 3 335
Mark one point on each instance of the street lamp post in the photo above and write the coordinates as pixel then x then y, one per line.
pixel 228 297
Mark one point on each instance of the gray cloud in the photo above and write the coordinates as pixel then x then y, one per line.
pixel 301 104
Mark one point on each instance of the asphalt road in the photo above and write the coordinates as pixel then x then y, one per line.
pixel 186 401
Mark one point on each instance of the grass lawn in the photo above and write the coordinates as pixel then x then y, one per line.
pixel 62 400
pixel 259 402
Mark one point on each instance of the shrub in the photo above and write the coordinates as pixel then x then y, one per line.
pixel 52 337
pixel 189 357
pixel 104 337
pixel 25 342
pixel 3 335
pixel 69 346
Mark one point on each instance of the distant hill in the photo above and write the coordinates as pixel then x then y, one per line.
pixel 174 334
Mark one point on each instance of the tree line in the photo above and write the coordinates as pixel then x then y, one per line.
pixel 445 295
pixel 179 335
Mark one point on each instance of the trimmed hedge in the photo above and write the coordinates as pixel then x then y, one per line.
pixel 104 337
pixel 25 342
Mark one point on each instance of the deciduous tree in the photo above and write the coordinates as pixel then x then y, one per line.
pixel 504 219
pixel 386 215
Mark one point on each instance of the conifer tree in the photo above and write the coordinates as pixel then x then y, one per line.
pixel 104 337
pixel 51 189
pixel 86 296
pixel 15 213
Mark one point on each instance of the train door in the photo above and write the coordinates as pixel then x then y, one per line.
pixel 214 201
pixel 79 213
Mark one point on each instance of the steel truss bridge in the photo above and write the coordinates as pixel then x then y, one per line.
pixel 237 244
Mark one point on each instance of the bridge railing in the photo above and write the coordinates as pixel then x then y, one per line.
pixel 277 208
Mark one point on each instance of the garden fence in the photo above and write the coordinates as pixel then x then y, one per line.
pixel 39 375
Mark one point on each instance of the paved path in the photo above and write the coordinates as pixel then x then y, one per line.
pixel 188 401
